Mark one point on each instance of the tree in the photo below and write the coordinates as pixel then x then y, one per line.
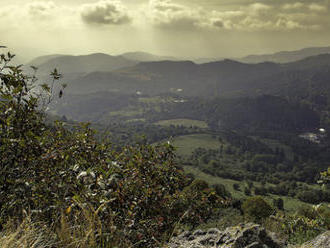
pixel 221 190
pixel 247 191
pixel 278 203
pixel 260 190
pixel 256 208
pixel 236 187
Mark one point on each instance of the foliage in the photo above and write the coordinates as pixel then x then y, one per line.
pixel 221 190
pixel 325 177
pixel 134 195
pixel 279 203
pixel 256 208
pixel 303 225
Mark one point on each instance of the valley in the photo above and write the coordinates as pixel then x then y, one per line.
pixel 164 124
pixel 228 121
pixel 218 135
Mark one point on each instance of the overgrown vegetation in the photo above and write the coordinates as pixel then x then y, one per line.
pixel 133 196
pixel 66 185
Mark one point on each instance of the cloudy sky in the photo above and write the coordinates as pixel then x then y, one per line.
pixel 185 28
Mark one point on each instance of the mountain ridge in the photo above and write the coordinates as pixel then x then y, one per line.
pixel 210 79
pixel 286 56
pixel 144 56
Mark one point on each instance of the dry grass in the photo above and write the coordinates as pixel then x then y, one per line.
pixel 27 235
pixel 80 230
pixel 84 231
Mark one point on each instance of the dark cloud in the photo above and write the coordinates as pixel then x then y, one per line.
pixel 105 12
pixel 218 24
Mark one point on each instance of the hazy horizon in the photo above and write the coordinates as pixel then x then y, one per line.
pixel 180 28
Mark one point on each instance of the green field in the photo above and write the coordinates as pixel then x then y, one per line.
pixel 182 122
pixel 290 204
pixel 228 183
pixel 188 143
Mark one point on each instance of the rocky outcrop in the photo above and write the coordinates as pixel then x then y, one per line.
pixel 241 236
pixel 321 241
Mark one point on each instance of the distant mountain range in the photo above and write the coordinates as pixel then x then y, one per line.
pixel 130 73
pixel 286 56
pixel 222 78
pixel 146 57
pixel 105 62
pixel 99 83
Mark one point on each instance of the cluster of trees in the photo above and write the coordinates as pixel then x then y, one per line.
pixel 247 159
pixel 249 114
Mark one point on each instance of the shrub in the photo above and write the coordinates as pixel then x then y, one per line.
pixel 256 208
pixel 247 191
pixel 134 195
pixel 236 187
pixel 221 190
pixel 278 203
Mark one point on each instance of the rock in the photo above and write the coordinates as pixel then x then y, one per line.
pixel 321 241
pixel 241 236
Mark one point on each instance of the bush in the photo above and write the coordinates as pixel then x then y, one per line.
pixel 278 203
pixel 256 208
pixel 236 187
pixel 247 191
pixel 134 195
pixel 260 190
pixel 221 190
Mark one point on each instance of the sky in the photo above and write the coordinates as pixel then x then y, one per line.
pixel 181 28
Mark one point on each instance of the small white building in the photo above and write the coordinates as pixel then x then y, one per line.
pixel 315 137
pixel 312 137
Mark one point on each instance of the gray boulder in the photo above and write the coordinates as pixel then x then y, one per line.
pixel 241 236
pixel 321 241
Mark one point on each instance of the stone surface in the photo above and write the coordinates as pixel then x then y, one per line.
pixel 321 241
pixel 241 236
